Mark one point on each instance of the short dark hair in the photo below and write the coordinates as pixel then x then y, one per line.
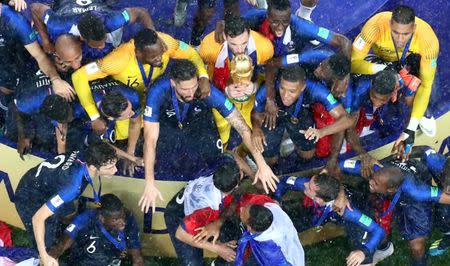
pixel 110 204
pixel 56 108
pixel 91 27
pixel 113 104
pixel 279 5
pixel 226 177
pixel 293 74
pixel 99 154
pixel 235 26
pixel 260 218
pixel 328 187
pixel 183 70
pixel 340 65
pixel 145 37
pixel 393 174
pixel 403 14
pixel 384 82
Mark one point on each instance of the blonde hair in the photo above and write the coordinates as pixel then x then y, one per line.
pixel 241 68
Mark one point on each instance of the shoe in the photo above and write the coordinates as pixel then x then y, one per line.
pixel 428 126
pixel 381 254
pixel 180 13
pixel 436 249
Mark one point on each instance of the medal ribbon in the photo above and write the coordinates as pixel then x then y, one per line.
pixel 145 78
pixel 122 245
pixel 180 117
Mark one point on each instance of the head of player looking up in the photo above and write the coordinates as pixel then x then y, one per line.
pixel 184 79
pixel 402 25
pixel 292 84
pixel 149 48
pixel 279 16
pixel 111 213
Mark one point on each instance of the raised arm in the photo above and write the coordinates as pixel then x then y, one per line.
pixel 37 13
pixel 140 14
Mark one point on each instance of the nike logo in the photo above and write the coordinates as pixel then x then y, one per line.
pixel 180 200
pixel 93 237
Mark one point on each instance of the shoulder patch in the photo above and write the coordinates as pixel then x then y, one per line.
pixel 365 220
pixel 32 35
pixel 292 58
pixel 56 201
pixel 70 228
pixel 434 192
pixel 331 99
pixel 430 151
pixel 148 111
pixel 433 63
pixel 323 33
pixel 228 104
pixel 359 43
pixel 92 68
pixel 291 180
pixel 125 15
pixel 183 46
pixel 349 163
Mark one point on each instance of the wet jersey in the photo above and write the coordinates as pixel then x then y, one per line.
pixel 435 163
pixel 15 33
pixel 376 35
pixel 122 65
pixel 114 21
pixel 55 182
pixel 160 97
pixel 296 35
pixel 92 247
pixel 314 92
pixel 32 91
pixel 76 7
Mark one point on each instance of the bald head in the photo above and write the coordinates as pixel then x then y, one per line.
pixel 68 50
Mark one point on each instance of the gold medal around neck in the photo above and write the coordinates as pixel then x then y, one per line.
pixel 180 125
pixel 294 120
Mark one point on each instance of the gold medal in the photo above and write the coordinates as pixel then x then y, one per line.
pixel 318 228
pixel 294 120
pixel 123 254
pixel 180 125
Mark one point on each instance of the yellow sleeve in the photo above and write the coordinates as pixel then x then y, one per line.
pixel 264 48
pixel 370 33
pixel 112 64
pixel 181 50
pixel 429 53
pixel 209 49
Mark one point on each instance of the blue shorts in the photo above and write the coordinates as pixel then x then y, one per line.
pixel 275 136
pixel 414 219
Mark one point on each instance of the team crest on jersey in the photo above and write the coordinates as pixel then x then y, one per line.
pixel 359 43
pixel 70 228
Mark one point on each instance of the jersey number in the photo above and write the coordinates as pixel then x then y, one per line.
pixel 133 84
pixel 91 248
pixel 61 159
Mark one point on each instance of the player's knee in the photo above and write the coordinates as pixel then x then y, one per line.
pixel 417 247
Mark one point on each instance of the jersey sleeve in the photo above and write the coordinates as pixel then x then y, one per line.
pixel 260 99
pixel 181 50
pixel 220 102
pixel 421 192
pixel 360 93
pixel 290 183
pixel 112 64
pixel 320 93
pixel 264 48
pixel 155 98
pixel 69 192
pixel 29 101
pixel 79 223
pixel 116 20
pixel 434 161
pixel 370 33
pixel 58 25
pixel 132 233
pixel 209 49
pixel 198 219
pixel 310 31
pixel 428 63
pixel 368 224
pixel 19 24
pixel 311 57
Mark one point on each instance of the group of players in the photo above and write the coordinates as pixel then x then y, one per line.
pixel 98 77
